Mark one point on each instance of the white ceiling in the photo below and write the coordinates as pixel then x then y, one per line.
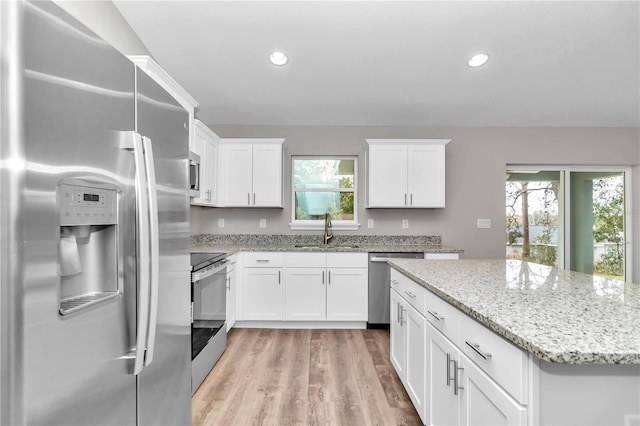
pixel 400 63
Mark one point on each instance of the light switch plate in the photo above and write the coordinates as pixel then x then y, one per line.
pixel 484 223
pixel 405 223
pixel 221 223
pixel 263 223
pixel 369 223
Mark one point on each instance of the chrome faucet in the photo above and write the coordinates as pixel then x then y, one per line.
pixel 328 235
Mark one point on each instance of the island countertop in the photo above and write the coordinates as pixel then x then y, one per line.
pixel 559 316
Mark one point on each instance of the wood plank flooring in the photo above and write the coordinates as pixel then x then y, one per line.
pixel 304 377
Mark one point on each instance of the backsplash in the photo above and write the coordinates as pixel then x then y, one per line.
pixel 259 239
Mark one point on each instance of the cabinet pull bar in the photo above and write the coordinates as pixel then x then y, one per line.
pixel 262 260
pixel 248 198
pixel 448 369
pixel 278 277
pixel 254 198
pixel 456 378
pixel 411 199
pixel 476 349
pixel 436 316
pixel 410 294
pixel 329 277
pixel 323 277
pixel 397 312
pixel 405 199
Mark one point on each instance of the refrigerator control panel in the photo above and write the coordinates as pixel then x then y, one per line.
pixel 84 205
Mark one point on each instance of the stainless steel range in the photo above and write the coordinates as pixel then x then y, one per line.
pixel 208 304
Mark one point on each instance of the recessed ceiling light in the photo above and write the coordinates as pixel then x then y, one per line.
pixel 278 58
pixel 478 60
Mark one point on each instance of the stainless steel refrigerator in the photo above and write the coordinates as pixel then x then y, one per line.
pixel 95 293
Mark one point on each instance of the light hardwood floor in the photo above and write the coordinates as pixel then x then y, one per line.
pixel 304 377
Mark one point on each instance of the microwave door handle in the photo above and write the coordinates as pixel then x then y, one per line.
pixel 154 247
pixel 142 242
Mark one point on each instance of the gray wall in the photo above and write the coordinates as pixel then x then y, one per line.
pixel 104 19
pixel 475 185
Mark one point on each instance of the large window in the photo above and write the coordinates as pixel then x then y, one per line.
pixel 570 217
pixel 324 185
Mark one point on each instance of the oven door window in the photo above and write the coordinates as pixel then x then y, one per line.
pixel 209 309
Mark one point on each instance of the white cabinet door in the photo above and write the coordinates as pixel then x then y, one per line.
pixel 237 164
pixel 267 175
pixel 484 402
pixel 232 292
pixel 347 290
pixel 305 294
pixel 397 334
pixel 415 368
pixel 425 175
pixel 262 294
pixel 442 404
pixel 406 173
pixel 205 144
pixel 387 175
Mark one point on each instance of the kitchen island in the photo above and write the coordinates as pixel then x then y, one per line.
pixel 554 346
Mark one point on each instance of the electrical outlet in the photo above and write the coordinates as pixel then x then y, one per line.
pixel 405 223
pixel 263 223
pixel 221 223
pixel 484 223
pixel 369 223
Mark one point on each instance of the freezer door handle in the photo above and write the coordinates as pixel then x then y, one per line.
pixel 154 245
pixel 142 241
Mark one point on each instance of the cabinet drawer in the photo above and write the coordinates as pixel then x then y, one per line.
pixel 347 260
pixel 305 260
pixel 443 316
pixel 410 291
pixel 395 278
pixel 265 259
pixel 415 294
pixel 500 359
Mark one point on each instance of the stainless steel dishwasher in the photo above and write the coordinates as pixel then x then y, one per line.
pixel 379 289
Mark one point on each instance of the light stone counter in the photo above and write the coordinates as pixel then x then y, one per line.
pixel 558 316
pixel 230 244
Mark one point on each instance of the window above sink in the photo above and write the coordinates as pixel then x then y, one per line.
pixel 324 184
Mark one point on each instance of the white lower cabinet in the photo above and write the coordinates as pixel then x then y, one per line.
pixel 416 339
pixel 408 349
pixel 347 292
pixel 262 294
pixel 445 385
pixel 397 335
pixel 442 401
pixel 305 294
pixel 232 291
pixel 483 401
pixel 304 287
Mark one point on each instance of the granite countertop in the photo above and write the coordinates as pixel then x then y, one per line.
pixel 231 244
pixel 558 316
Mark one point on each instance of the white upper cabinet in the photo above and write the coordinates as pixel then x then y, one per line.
pixel 251 172
pixel 205 144
pixel 406 173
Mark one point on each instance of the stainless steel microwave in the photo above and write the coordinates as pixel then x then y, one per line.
pixel 194 175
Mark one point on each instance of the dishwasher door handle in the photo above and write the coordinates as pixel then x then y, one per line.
pixel 379 259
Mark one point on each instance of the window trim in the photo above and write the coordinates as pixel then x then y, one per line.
pixel 315 225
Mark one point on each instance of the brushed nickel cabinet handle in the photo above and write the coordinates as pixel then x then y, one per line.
pixel 476 349
pixel 436 316
pixel 456 377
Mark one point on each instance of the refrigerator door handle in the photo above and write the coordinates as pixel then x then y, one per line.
pixel 154 244
pixel 142 242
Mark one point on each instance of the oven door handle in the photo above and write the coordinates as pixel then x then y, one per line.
pixel 197 276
